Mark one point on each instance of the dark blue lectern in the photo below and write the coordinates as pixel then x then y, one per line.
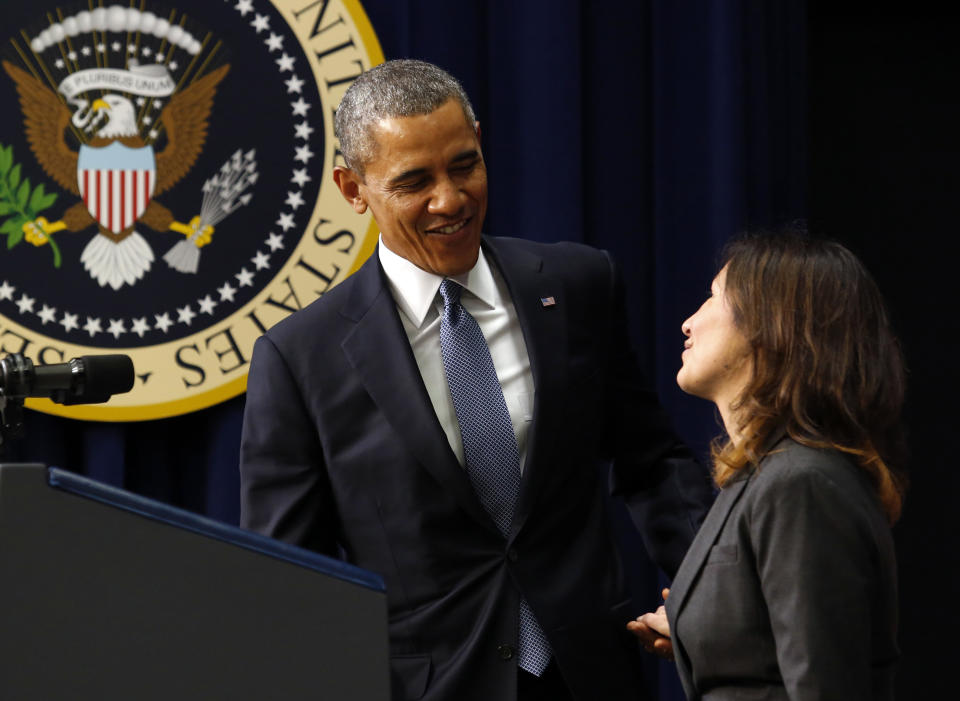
pixel 107 595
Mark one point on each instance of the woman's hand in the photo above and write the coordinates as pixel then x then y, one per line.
pixel 653 630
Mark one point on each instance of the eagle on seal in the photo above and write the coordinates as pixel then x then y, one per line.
pixel 116 173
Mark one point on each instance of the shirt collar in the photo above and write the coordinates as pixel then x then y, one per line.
pixel 415 289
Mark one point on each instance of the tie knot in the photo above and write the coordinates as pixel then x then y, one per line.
pixel 450 291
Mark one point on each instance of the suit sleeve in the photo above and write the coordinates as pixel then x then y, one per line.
pixel 817 561
pixel 284 491
pixel 667 491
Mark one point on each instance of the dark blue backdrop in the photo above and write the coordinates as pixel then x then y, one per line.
pixel 653 129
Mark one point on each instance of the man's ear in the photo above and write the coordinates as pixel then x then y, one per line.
pixel 476 128
pixel 349 183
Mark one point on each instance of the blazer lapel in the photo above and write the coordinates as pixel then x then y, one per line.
pixel 545 334
pixel 379 351
pixel 694 561
pixel 700 548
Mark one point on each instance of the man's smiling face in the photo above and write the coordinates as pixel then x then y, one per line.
pixel 426 185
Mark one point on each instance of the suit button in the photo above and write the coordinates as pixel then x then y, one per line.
pixel 505 652
pixel 513 555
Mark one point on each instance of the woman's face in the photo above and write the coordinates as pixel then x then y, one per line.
pixel 716 356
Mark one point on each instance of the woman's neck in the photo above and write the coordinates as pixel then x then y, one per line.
pixel 730 417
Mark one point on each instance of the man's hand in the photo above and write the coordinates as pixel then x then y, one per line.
pixel 653 630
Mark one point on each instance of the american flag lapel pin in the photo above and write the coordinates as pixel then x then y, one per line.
pixel 548 301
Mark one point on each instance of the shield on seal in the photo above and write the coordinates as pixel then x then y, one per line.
pixel 116 183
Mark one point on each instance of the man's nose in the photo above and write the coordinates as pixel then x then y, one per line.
pixel 446 198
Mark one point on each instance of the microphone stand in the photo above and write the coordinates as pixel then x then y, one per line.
pixel 11 407
pixel 67 383
pixel 11 420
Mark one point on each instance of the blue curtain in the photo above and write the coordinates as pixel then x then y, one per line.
pixel 653 129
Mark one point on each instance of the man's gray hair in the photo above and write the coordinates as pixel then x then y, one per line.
pixel 399 88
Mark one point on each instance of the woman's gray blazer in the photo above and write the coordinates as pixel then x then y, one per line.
pixel 789 589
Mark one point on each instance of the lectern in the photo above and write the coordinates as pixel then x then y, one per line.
pixel 108 595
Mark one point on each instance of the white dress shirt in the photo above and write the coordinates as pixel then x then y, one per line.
pixel 487 298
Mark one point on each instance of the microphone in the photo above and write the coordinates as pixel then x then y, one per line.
pixel 89 379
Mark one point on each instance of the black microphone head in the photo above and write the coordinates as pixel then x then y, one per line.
pixel 105 375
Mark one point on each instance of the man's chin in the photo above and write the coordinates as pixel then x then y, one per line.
pixel 452 268
pixel 455 254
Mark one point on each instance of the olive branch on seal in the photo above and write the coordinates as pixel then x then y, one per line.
pixel 20 203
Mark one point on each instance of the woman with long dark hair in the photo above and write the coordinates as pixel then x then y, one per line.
pixel 789 590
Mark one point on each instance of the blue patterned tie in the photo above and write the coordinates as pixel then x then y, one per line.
pixel 489 443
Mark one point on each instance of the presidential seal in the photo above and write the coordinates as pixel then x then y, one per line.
pixel 165 185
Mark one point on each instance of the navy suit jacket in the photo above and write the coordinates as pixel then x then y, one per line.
pixel 342 452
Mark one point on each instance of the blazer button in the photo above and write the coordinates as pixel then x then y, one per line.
pixel 505 652
pixel 513 555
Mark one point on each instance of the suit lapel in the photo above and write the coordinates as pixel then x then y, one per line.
pixel 694 561
pixel 379 351
pixel 700 548
pixel 545 334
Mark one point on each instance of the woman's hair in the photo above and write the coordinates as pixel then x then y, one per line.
pixel 827 368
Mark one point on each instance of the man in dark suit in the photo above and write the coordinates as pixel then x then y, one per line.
pixel 483 510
